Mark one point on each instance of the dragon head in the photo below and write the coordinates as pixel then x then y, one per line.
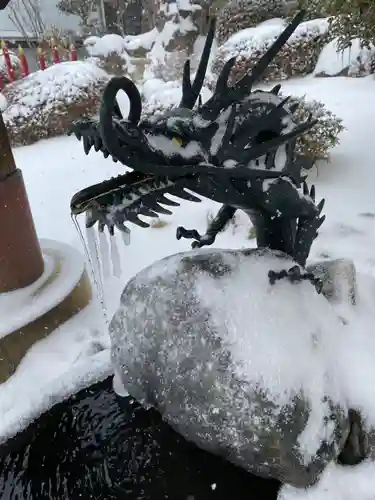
pixel 238 135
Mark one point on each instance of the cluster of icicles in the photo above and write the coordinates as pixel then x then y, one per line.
pixel 103 257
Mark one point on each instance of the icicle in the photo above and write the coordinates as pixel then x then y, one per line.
pixel 104 254
pixel 115 257
pixel 91 252
pixel 93 247
pixel 126 237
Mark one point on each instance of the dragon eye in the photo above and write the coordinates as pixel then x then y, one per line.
pixel 177 141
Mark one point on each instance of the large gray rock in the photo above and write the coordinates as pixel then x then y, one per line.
pixel 237 365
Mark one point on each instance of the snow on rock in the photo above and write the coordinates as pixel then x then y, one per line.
pixel 137 45
pixel 128 46
pixel 297 57
pixel 352 61
pixel 104 46
pixel 45 103
pixel 219 364
pixel 110 53
pixel 162 63
pixel 178 25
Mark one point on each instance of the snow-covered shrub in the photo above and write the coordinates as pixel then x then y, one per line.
pixel 298 56
pixel 324 135
pixel 46 102
pixel 314 9
pixel 354 61
pixel 351 19
pixel 241 14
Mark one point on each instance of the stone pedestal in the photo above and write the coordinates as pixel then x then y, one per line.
pixel 31 313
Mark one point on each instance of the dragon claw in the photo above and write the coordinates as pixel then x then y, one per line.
pixel 189 234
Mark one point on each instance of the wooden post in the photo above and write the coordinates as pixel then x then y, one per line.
pixel 21 259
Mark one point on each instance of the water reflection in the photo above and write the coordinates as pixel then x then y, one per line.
pixel 97 446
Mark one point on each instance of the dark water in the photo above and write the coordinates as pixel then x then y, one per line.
pixel 95 445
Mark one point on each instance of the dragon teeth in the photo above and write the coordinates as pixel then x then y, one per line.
pixel 132 217
pixel 181 193
pixel 147 212
pixel 154 205
pixel 166 201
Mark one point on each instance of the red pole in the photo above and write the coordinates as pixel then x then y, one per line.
pixel 42 59
pixel 55 55
pixel 73 53
pixel 23 62
pixel 8 62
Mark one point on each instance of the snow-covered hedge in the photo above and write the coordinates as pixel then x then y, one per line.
pixel 354 61
pixel 324 135
pixel 298 57
pixel 46 102
pixel 241 14
pixel 313 8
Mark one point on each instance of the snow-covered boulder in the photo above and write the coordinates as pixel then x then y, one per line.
pixel 355 61
pixel 179 25
pixel 241 367
pixel 298 56
pixel 109 53
pixel 139 45
pixel 104 46
pixel 46 102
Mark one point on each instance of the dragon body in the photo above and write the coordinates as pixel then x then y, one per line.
pixel 238 149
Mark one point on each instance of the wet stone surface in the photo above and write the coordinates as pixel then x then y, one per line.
pixel 95 445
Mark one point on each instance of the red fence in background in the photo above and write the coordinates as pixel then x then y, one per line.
pixel 10 74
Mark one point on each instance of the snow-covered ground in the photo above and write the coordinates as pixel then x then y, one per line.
pixel 69 359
